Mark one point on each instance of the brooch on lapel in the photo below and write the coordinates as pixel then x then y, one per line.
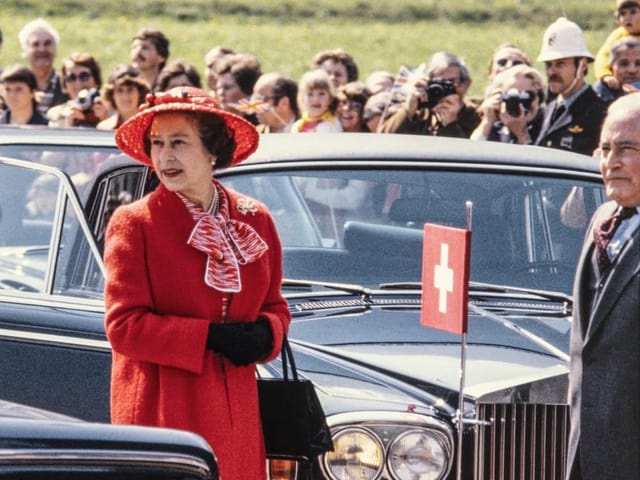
pixel 247 205
pixel 576 129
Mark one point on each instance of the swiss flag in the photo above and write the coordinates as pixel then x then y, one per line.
pixel 445 278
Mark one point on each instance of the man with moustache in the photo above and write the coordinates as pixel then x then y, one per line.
pixel 572 120
pixel 149 54
pixel 39 42
pixel 604 441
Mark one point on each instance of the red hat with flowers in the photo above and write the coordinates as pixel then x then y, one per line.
pixel 131 134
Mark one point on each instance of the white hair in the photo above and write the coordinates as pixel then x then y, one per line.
pixel 34 26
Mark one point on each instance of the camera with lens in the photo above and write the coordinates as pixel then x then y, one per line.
pixel 86 98
pixel 514 98
pixel 437 89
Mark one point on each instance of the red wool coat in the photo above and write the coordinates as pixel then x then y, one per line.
pixel 158 309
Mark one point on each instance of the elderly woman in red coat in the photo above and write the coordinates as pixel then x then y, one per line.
pixel 193 283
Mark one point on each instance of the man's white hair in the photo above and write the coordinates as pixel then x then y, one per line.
pixel 34 26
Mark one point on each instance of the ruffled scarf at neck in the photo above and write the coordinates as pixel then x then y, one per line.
pixel 228 243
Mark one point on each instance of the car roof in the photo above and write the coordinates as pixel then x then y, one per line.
pixel 289 147
pixel 345 146
pixel 43 135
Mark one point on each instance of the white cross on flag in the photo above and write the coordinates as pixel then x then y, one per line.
pixel 445 278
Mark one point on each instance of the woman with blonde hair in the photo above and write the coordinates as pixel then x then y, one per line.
pixel 317 101
pixel 513 111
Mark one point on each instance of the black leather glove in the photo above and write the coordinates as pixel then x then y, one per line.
pixel 241 342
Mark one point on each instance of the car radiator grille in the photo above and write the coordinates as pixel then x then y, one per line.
pixel 521 441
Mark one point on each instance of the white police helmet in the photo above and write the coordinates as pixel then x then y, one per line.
pixel 563 39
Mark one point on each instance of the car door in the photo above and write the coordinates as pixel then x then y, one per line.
pixel 51 284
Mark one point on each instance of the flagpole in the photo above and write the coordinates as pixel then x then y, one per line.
pixel 463 361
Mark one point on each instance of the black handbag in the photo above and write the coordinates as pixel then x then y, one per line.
pixel 293 422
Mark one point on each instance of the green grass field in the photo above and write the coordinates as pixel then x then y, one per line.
pixel 285 34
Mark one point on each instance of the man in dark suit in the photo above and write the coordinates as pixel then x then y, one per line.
pixel 572 120
pixel 605 335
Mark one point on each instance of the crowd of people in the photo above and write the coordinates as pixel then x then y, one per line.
pixel 554 107
pixel 173 356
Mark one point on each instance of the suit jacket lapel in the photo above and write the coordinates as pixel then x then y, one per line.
pixel 626 266
pixel 582 299
pixel 582 302
pixel 547 127
pixel 546 122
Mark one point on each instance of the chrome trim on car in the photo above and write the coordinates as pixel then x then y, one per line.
pixel 52 339
pixel 437 436
pixel 380 416
pixel 367 433
pixel 522 331
pixel 40 299
pixel 404 420
pixel 77 457
pixel 521 441
pixel 247 167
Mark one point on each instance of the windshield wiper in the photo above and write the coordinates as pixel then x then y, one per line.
pixel 308 286
pixel 478 288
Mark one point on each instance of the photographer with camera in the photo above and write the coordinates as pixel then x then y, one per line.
pixel 81 80
pixel 435 104
pixel 512 112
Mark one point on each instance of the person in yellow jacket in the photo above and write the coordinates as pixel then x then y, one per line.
pixel 317 101
pixel 628 18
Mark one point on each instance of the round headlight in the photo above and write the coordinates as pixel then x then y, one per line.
pixel 357 454
pixel 417 455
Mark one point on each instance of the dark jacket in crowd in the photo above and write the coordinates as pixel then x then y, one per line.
pixel 578 128
pixel 499 133
pixel 402 122
pixel 36 119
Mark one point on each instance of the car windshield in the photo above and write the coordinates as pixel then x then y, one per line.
pixel 360 224
pixel 366 226
pixel 80 164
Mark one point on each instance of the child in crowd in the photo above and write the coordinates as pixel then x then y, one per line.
pixel 317 100
pixel 628 17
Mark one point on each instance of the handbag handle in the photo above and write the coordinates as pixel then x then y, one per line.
pixel 287 359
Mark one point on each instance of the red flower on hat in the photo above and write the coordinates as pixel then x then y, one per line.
pixel 130 135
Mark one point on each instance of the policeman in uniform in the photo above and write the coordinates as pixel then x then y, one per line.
pixel 573 119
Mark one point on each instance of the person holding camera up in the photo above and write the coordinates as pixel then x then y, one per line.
pixel 435 105
pixel 512 112
pixel 81 80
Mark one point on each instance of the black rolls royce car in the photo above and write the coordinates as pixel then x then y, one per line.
pixel 350 211
pixel 37 444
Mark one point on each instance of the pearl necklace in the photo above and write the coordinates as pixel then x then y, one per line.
pixel 215 202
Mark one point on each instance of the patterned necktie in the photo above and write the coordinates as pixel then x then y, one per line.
pixel 604 233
